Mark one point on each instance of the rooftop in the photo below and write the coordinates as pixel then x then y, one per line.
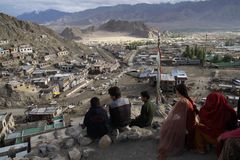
pixel 43 111
pixel 179 73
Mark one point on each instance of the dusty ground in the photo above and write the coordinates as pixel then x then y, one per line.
pixel 142 150
pixel 109 37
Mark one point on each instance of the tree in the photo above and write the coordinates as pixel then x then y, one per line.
pixel 227 58
pixel 215 59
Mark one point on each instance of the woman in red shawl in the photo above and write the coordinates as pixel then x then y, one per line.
pixel 216 116
pixel 178 128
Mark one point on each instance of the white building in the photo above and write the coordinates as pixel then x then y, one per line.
pixel 62 53
pixel 6 124
pixel 25 49
pixel 4 41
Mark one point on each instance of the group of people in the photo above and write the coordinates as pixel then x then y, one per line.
pixel 187 128
pixel 98 123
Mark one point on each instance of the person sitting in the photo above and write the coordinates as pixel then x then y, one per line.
pixel 147 112
pixel 119 109
pixel 179 126
pixel 229 145
pixel 215 117
pixel 96 120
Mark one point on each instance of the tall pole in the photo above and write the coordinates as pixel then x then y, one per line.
pixel 158 99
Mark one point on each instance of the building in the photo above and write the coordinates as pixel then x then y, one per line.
pixel 167 83
pixel 28 70
pixel 41 82
pixel 65 67
pixel 25 49
pixel 43 65
pixel 20 86
pixel 4 41
pixel 97 68
pixel 63 80
pixel 10 63
pixel 62 53
pixel 48 113
pixel 4 51
pixel 6 124
pixel 49 57
pixel 179 75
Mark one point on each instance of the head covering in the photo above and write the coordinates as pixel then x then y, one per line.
pixel 230 134
pixel 216 114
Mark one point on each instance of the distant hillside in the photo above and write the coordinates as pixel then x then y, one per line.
pixel 72 33
pixel 135 28
pixel 201 14
pixel 22 32
pixel 43 16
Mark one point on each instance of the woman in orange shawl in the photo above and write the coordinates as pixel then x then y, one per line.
pixel 178 128
pixel 216 116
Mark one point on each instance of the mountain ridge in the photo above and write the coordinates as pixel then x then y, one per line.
pixel 211 13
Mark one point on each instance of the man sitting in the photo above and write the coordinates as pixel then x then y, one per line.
pixel 96 120
pixel 119 109
pixel 147 112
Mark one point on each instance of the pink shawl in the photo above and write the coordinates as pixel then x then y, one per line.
pixel 173 131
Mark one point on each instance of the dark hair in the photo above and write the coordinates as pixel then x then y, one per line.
pixel 145 94
pixel 95 102
pixel 114 91
pixel 182 89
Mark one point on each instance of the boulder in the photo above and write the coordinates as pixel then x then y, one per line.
pixel 104 142
pixel 42 150
pixel 73 131
pixel 86 152
pixel 84 141
pixel 74 154
pixel 68 143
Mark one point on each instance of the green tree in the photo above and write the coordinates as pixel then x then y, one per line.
pixel 227 58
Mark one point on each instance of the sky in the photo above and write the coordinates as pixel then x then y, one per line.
pixel 17 7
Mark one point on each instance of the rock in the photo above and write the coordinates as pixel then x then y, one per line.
pixel 86 152
pixel 84 141
pixel 58 157
pixel 39 158
pixel 74 154
pixel 134 135
pixel 146 133
pixel 123 136
pixel 74 131
pixel 42 150
pixel 68 143
pixel 52 148
pixel 58 134
pixel 104 142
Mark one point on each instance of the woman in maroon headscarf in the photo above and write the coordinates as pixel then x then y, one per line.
pixel 178 128
pixel 215 117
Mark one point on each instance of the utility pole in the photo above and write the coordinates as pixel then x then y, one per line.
pixel 158 79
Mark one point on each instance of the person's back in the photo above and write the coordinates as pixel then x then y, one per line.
pixel 119 109
pixel 96 120
pixel 120 112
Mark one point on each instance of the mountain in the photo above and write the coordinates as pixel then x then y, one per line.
pixel 134 28
pixel 199 14
pixel 22 32
pixel 72 33
pixel 43 16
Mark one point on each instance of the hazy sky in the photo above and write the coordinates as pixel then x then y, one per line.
pixel 16 7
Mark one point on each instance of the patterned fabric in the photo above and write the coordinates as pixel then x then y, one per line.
pixel 173 131
pixel 231 149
